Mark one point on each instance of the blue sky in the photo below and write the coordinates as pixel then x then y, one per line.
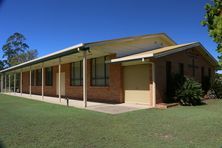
pixel 51 25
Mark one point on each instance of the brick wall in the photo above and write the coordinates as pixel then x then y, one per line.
pixel 112 93
pixel 180 57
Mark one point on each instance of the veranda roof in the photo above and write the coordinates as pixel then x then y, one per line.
pixel 147 54
pixel 82 46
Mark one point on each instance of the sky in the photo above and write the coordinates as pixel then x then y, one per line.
pixel 51 25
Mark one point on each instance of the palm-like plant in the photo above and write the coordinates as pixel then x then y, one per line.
pixel 190 93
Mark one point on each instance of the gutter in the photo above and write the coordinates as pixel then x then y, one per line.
pixel 67 51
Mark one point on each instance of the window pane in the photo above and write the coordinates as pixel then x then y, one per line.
pixel 77 70
pixel 49 76
pixel 39 77
pixel 72 74
pixel 33 78
pixel 100 82
pixel 77 82
pixel 76 73
pixel 100 68
pixel 100 72
pixel 209 72
pixel 93 68
pixel 181 69
pixel 107 81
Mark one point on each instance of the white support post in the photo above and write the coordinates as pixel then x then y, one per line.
pixel 85 78
pixel 42 80
pixel 30 81
pixel 60 79
pixel 14 83
pixel 5 83
pixel 2 83
pixel 9 83
pixel 154 84
pixel 21 83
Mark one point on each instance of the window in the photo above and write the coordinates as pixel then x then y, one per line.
pixel 49 76
pixel 33 78
pixel 39 77
pixel 168 69
pixel 181 69
pixel 100 72
pixel 209 72
pixel 76 74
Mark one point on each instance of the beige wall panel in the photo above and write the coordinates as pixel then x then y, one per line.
pixel 137 84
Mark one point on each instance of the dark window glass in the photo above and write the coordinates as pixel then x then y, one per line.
pixel 168 69
pixel 49 76
pixel 209 72
pixel 33 78
pixel 181 69
pixel 100 72
pixel 39 77
pixel 76 74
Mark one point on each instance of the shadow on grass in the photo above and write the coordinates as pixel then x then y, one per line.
pixel 2 145
pixel 198 103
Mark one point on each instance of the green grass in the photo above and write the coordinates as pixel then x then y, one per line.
pixel 28 123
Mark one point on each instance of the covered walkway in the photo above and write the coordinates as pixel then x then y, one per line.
pixel 94 106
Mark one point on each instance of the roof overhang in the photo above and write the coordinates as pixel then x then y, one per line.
pixel 67 51
pixel 156 53
pixel 82 46
pixel 161 52
pixel 126 39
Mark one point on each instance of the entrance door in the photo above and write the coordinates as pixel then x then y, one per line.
pixel 137 84
pixel 62 84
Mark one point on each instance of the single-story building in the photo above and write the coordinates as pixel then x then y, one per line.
pixel 132 69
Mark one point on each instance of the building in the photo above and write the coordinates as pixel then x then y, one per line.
pixel 132 69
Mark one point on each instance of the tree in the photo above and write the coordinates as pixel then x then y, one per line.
pixel 16 51
pixel 1 65
pixel 213 21
pixel 26 56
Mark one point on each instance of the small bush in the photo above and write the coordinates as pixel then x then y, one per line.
pixel 217 86
pixel 189 93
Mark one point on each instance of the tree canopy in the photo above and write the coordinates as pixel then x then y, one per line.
pixel 16 51
pixel 213 21
pixel 1 65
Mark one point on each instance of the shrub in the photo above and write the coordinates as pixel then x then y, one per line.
pixel 189 93
pixel 217 86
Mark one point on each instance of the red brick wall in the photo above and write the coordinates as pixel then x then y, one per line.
pixel 112 93
pixel 181 57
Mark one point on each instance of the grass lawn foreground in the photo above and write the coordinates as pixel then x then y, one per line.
pixel 29 123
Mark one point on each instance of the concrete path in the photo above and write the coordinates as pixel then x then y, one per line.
pixel 94 106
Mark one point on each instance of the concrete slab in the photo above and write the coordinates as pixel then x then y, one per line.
pixel 94 106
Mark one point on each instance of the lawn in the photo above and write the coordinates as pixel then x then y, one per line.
pixel 29 123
